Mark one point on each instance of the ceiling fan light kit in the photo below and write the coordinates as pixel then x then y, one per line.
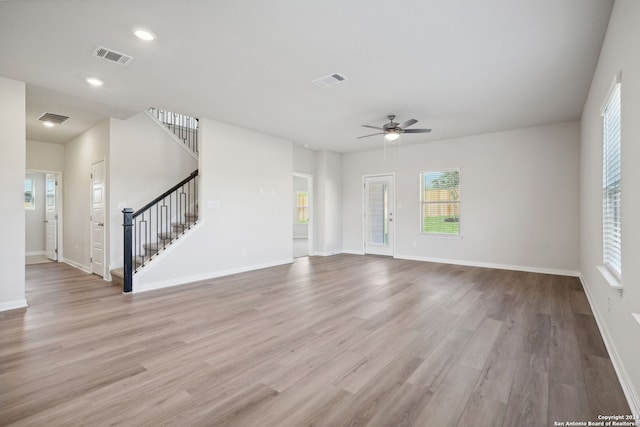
pixel 392 136
pixel 392 130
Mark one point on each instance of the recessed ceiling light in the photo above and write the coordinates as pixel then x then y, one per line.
pixel 48 124
pixel 94 81
pixel 144 34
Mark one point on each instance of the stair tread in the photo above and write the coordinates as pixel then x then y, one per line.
pixel 168 236
pixel 183 223
pixel 117 272
pixel 155 245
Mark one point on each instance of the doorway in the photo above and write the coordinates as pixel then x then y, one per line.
pixel 43 216
pixel 378 215
pixel 302 215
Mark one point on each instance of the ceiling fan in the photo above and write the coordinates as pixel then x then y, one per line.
pixel 392 130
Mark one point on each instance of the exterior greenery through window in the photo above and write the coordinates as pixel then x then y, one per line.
pixel 440 197
pixel 611 174
pixel 302 207
pixel 29 194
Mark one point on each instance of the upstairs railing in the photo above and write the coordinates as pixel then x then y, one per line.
pixel 156 225
pixel 182 126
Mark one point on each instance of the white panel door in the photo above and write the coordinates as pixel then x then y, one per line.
pixel 51 217
pixel 378 215
pixel 97 218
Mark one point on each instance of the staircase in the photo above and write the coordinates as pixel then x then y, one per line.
pixel 150 250
pixel 153 228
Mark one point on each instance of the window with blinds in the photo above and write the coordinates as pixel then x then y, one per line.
pixel 29 194
pixel 440 199
pixel 611 194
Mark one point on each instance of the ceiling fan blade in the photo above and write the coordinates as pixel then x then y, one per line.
pixel 407 123
pixel 372 127
pixel 416 131
pixel 373 134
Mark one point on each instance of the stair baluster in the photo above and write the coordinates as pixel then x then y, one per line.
pixel 152 228
pixel 184 127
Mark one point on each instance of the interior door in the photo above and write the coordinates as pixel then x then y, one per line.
pixel 378 215
pixel 51 217
pixel 97 218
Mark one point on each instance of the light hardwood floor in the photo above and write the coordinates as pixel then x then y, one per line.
pixel 335 341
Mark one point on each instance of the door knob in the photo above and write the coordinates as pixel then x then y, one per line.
pixel 100 224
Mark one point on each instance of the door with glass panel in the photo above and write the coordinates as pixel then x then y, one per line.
pixel 378 215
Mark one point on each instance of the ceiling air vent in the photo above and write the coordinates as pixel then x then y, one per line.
pixel 53 118
pixel 112 55
pixel 330 80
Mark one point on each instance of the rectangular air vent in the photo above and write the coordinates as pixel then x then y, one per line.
pixel 53 118
pixel 112 55
pixel 330 80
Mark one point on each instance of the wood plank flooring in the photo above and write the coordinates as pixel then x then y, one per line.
pixel 345 340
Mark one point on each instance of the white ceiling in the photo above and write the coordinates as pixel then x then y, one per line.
pixel 460 67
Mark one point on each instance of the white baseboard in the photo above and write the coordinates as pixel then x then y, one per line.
pixel 34 253
pixel 12 305
pixel 85 268
pixel 352 252
pixel 492 265
pixel 327 253
pixel 633 398
pixel 137 288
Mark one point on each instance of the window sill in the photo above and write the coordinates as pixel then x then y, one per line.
pixel 441 236
pixel 610 278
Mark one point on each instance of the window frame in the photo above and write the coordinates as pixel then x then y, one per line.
pixel 32 207
pixel 612 257
pixel 305 208
pixel 422 204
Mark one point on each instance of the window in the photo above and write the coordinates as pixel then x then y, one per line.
pixel 302 207
pixel 611 168
pixel 440 196
pixel 29 193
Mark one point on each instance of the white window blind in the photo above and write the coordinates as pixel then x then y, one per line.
pixel 611 173
pixel 377 213
pixel 29 194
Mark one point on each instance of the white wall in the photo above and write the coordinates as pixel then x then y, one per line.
pixel 304 160
pixel 613 312
pixel 34 218
pixel 79 154
pixel 12 170
pixel 44 156
pixel 519 198
pixel 329 203
pixel 144 162
pixel 245 209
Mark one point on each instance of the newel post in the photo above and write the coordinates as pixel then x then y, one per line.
pixel 128 249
